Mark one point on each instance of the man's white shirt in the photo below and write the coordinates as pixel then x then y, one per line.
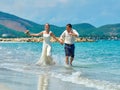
pixel 69 39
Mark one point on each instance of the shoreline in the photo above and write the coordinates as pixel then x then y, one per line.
pixel 39 40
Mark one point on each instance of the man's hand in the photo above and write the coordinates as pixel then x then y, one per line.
pixel 72 34
pixel 61 41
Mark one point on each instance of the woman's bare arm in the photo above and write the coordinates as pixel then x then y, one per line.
pixel 37 34
pixel 55 38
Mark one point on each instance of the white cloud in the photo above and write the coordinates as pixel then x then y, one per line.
pixel 62 11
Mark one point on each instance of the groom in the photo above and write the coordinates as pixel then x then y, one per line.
pixel 68 38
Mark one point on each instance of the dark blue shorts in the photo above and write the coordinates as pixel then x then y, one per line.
pixel 69 50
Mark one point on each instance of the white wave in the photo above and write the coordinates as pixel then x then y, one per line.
pixel 24 68
pixel 71 76
pixel 77 78
pixel 13 67
pixel 13 42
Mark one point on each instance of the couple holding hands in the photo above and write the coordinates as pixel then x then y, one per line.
pixel 67 38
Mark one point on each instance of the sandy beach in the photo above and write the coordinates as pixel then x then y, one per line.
pixel 45 83
pixel 41 82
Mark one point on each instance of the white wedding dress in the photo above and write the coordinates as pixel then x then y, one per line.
pixel 46 55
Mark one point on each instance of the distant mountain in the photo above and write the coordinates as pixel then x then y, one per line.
pixel 15 23
pixel 84 29
pixel 13 26
pixel 6 32
pixel 83 26
pixel 111 29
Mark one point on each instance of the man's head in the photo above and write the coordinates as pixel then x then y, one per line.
pixel 68 27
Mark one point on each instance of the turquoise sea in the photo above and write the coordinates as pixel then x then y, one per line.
pixel 96 67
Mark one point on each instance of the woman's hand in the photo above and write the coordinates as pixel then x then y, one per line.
pixel 61 41
pixel 27 32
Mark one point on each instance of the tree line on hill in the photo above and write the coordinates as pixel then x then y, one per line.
pixel 12 26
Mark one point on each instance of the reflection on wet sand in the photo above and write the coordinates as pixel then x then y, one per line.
pixel 4 87
pixel 43 82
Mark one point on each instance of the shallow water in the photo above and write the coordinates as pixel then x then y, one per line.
pixel 96 67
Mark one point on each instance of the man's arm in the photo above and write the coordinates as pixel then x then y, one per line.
pixel 62 37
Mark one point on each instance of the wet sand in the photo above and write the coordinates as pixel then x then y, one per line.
pixel 4 87
pixel 23 81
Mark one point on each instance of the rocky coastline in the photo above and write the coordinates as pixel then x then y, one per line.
pixel 39 40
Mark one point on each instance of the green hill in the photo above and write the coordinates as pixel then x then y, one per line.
pixel 84 29
pixel 6 32
pixel 112 29
pixel 10 23
pixel 14 26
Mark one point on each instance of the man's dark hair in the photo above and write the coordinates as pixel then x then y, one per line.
pixel 69 25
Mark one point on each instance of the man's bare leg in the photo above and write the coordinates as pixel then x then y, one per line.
pixel 66 60
pixel 71 60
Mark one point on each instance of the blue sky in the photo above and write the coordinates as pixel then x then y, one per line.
pixel 61 12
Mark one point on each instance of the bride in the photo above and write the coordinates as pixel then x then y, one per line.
pixel 46 56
